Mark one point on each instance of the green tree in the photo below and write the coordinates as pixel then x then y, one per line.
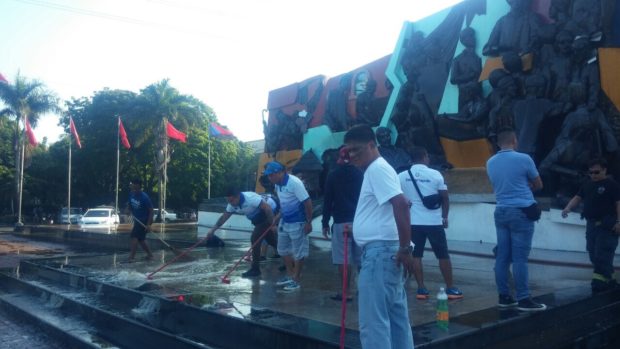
pixel 24 99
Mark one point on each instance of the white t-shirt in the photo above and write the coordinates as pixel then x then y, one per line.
pixel 249 204
pixel 374 216
pixel 430 182
pixel 292 194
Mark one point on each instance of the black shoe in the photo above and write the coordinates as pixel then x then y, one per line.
pixel 506 301
pixel 262 259
pixel 252 273
pixel 528 304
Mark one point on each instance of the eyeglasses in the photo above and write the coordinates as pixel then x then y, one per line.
pixel 594 172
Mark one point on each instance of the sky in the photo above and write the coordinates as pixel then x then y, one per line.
pixel 229 54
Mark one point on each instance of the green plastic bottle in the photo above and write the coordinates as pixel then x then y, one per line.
pixel 443 316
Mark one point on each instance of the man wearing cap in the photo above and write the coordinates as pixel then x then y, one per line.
pixel 381 227
pixel 295 222
pixel 260 211
pixel 342 189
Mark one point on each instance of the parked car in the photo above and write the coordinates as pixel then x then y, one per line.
pixel 166 216
pixel 100 216
pixel 74 216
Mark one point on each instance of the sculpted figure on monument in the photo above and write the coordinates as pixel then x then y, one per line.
pixel 585 69
pixel 336 115
pixel 560 67
pixel 396 157
pixel 515 31
pixel 502 98
pixel 531 111
pixel 585 134
pixel 467 66
pixel 368 111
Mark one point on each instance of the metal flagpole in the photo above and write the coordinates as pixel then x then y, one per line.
pixel 118 155
pixel 209 184
pixel 69 183
pixel 21 174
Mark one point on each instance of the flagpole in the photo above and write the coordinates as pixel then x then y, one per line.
pixel 69 183
pixel 118 155
pixel 209 161
pixel 21 174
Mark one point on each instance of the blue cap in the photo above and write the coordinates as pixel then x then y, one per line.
pixel 273 167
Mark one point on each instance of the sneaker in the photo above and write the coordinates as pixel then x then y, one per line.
pixel 291 286
pixel 506 301
pixel 422 293
pixel 528 304
pixel 454 293
pixel 252 273
pixel 284 281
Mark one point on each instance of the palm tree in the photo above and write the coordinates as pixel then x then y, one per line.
pixel 25 99
pixel 161 102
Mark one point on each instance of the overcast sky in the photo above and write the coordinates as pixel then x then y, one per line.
pixel 229 54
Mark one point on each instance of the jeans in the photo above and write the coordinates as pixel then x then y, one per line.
pixel 514 242
pixel 601 245
pixel 383 313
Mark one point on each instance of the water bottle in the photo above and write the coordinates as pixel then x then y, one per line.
pixel 443 317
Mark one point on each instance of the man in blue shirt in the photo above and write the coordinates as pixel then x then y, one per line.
pixel 513 176
pixel 141 209
pixel 295 224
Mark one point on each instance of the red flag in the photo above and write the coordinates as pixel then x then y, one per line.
pixel 74 133
pixel 123 134
pixel 31 138
pixel 174 133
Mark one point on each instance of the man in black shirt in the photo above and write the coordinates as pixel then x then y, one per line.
pixel 342 190
pixel 601 209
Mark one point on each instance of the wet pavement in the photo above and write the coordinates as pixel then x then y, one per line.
pixel 200 277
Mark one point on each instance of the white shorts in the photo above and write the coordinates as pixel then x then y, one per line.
pixel 292 241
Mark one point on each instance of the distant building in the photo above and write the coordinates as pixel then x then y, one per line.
pixel 258 145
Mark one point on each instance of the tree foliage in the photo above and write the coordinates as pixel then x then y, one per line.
pixel 94 165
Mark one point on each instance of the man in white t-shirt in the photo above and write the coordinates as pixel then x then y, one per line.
pixel 295 222
pixel 428 223
pixel 260 211
pixel 381 228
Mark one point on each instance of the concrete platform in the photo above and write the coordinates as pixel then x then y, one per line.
pixel 551 273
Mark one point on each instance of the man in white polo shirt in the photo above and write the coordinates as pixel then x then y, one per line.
pixel 428 223
pixel 260 211
pixel 381 228
pixel 295 222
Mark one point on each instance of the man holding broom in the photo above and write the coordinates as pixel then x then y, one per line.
pixel 141 209
pixel 260 211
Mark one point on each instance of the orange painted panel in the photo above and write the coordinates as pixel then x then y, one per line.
pixel 493 63
pixel 287 158
pixel 609 65
pixel 467 154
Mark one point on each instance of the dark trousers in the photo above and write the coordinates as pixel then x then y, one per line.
pixel 271 237
pixel 601 246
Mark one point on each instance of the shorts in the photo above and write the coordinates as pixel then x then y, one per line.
pixel 354 252
pixel 138 232
pixel 292 241
pixel 435 234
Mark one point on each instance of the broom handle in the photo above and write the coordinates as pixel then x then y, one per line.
pixel 249 250
pixel 158 235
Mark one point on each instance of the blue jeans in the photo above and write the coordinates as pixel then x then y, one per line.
pixel 514 242
pixel 601 245
pixel 383 313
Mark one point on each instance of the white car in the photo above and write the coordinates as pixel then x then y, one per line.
pixel 100 216
pixel 166 216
